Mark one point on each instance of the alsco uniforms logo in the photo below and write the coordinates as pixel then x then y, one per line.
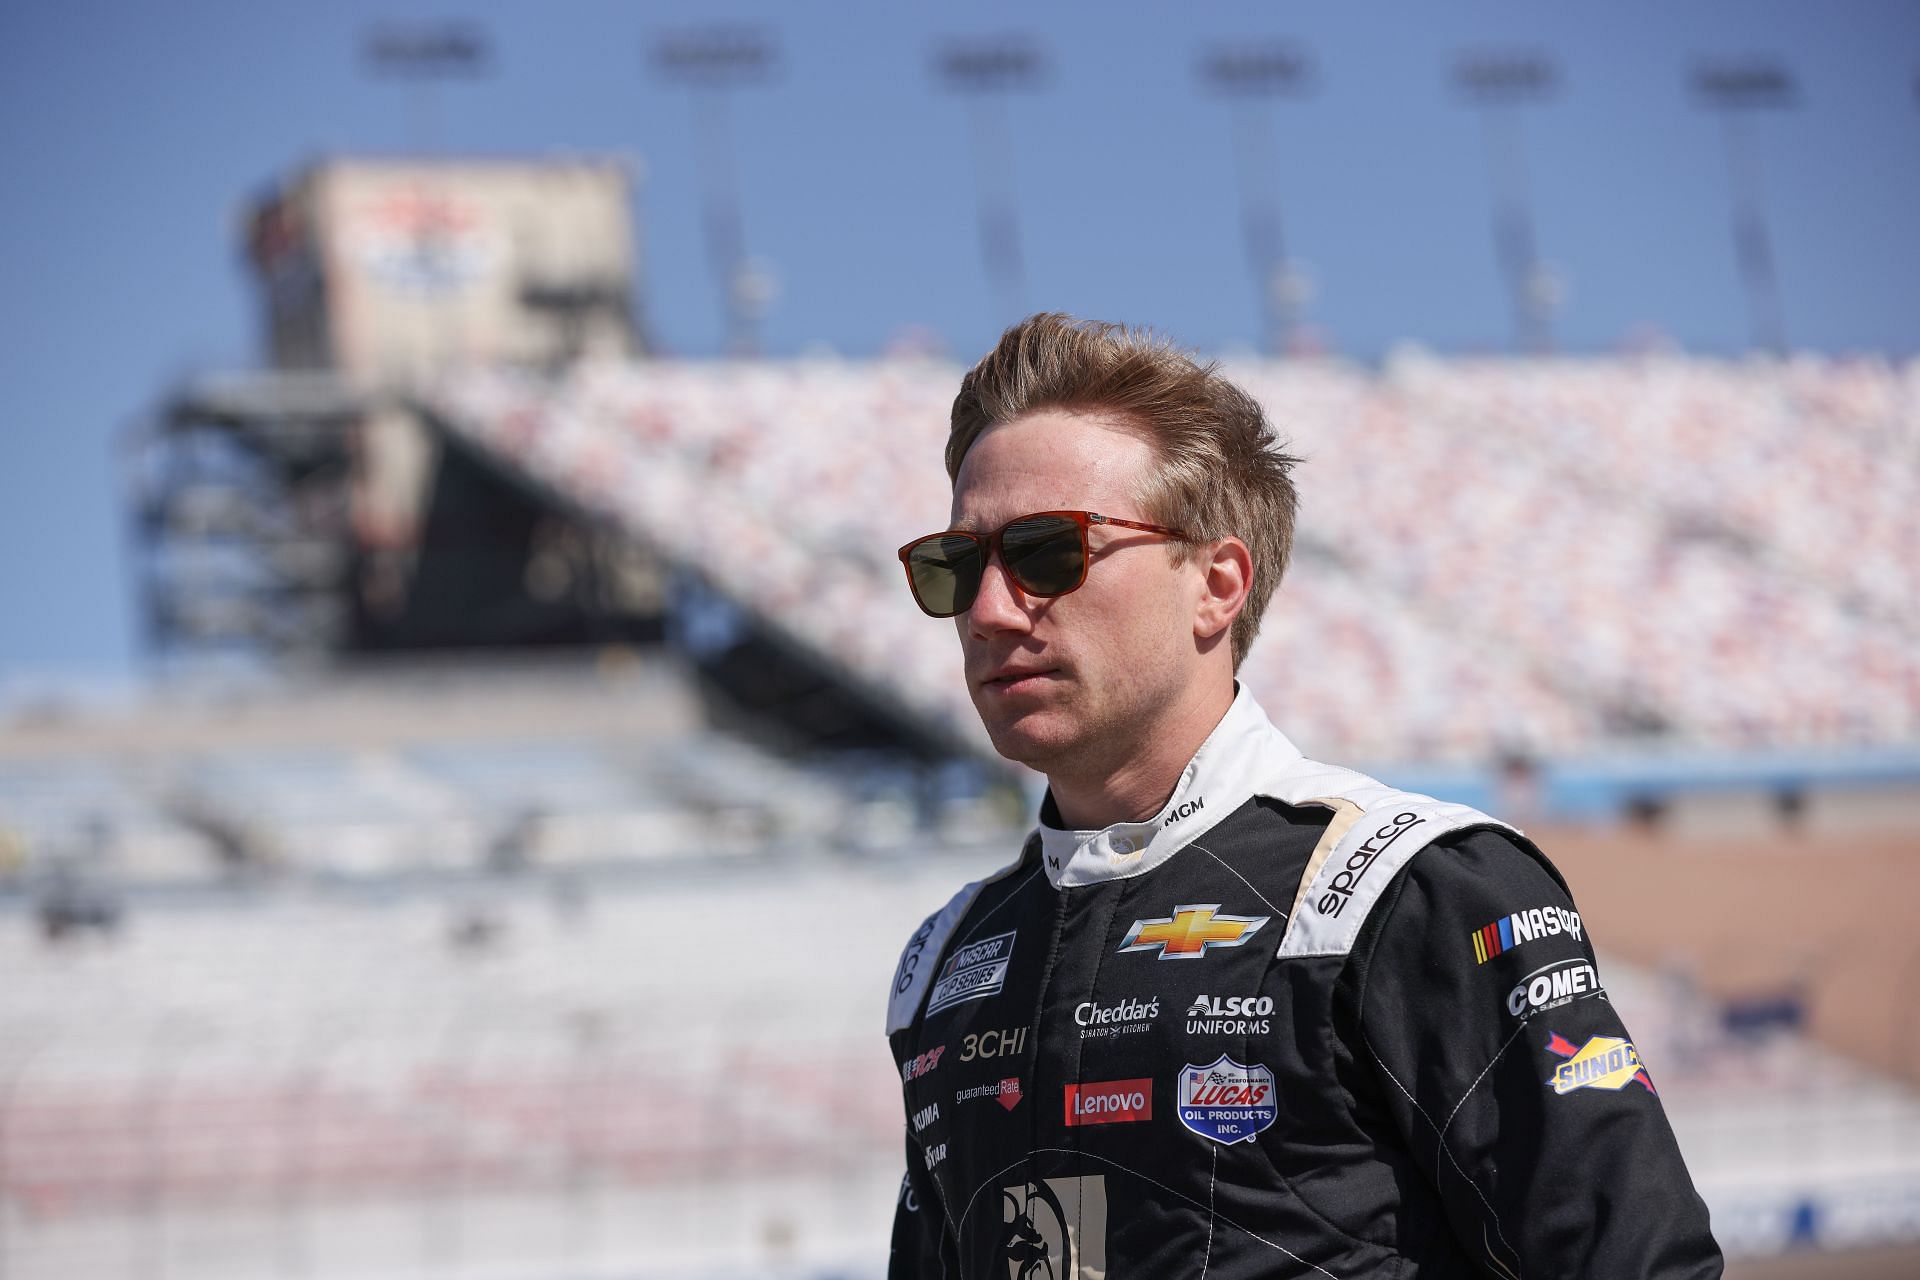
pixel 1508 932
pixel 1604 1062
pixel 1190 930
pixel 1226 1101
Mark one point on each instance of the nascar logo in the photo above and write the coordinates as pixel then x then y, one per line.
pixel 1189 931
pixel 1508 932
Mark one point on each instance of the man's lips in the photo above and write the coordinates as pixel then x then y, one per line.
pixel 1007 680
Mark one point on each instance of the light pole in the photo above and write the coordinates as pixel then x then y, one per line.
pixel 984 72
pixel 1736 90
pixel 711 61
pixel 1252 77
pixel 425 54
pixel 1499 83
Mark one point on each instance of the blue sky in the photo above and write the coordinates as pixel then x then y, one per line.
pixel 132 134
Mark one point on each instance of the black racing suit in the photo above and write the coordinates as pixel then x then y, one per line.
pixel 1258 1036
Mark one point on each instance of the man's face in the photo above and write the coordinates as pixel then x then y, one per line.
pixel 1069 684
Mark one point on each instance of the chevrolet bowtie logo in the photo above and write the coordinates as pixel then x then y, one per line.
pixel 1190 931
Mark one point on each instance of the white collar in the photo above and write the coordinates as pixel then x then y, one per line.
pixel 1243 751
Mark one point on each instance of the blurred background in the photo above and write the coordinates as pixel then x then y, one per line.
pixel 468 761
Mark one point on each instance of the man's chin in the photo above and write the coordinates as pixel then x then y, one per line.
pixel 1034 739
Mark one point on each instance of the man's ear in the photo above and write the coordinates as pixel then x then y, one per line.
pixel 1225 582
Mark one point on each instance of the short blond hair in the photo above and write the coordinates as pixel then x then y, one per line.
pixel 1220 467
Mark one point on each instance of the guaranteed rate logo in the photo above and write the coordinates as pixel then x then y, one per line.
pixel 1005 1092
pixel 1346 882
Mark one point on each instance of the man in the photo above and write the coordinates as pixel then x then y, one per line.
pixel 1230 1013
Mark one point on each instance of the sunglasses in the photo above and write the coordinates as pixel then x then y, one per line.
pixel 1045 554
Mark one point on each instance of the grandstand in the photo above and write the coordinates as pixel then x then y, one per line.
pixel 1546 557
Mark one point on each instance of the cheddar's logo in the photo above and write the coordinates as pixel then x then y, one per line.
pixel 1190 930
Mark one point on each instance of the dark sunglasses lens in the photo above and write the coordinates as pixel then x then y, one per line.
pixel 945 571
pixel 1045 554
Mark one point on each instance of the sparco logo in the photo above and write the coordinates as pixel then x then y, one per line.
pixel 910 958
pixel 1121 1018
pixel 1109 1102
pixel 1233 1016
pixel 914 1068
pixel 1552 985
pixel 1343 885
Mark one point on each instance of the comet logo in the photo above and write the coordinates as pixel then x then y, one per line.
pixel 1604 1062
pixel 1189 931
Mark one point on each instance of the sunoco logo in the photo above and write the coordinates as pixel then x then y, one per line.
pixel 1553 985
pixel 1232 1016
pixel 1342 887
pixel 1121 1018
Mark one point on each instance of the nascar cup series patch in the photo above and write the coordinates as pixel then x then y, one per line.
pixel 1226 1101
pixel 974 972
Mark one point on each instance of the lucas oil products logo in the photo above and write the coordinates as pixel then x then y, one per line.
pixel 913 1068
pixel 1226 1101
pixel 1121 1018
pixel 1109 1102
pixel 1508 932
pixel 1604 1062
pixel 974 972
pixel 1190 931
pixel 992 1044
pixel 1342 887
pixel 1232 1016
pixel 1551 986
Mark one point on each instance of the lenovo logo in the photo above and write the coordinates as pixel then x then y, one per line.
pixel 1109 1102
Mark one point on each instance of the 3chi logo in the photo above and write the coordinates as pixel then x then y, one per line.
pixel 1054 1229
pixel 1190 931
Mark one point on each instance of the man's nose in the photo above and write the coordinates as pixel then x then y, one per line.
pixel 1000 604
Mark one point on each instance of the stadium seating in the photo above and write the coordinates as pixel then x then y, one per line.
pixel 1545 556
